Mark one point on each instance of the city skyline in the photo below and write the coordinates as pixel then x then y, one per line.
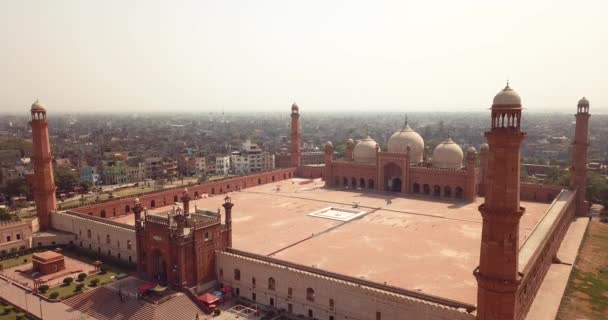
pixel 342 56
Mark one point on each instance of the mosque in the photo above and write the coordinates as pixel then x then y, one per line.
pixel 381 234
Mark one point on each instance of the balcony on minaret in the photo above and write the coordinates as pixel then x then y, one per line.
pixel 38 111
pixel 583 106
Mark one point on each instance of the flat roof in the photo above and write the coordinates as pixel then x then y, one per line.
pixel 48 255
pixel 415 242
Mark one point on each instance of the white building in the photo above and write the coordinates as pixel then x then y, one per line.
pixel 251 159
pixel 222 165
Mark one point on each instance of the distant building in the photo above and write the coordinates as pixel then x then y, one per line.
pixel 160 168
pixel 313 157
pixel 114 172
pixel 9 157
pixel 136 173
pixel 251 159
pixel 192 166
pixel 89 175
pixel 222 165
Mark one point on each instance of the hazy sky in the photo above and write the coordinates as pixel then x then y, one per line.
pixel 325 55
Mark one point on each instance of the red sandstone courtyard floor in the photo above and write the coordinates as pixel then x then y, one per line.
pixel 416 242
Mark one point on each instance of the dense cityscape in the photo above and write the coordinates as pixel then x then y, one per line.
pixel 106 151
pixel 303 160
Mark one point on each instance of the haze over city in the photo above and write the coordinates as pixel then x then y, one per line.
pixel 194 56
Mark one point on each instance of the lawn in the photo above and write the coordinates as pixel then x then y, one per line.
pixel 107 277
pixel 14 262
pixel 9 316
pixel 68 291
pixel 586 296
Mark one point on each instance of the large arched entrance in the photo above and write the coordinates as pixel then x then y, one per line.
pixel 393 177
pixel 159 267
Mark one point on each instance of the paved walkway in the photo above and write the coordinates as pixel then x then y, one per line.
pixel 551 291
pixel 35 305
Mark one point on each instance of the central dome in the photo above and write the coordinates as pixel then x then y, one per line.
pixel 448 154
pixel 365 151
pixel 405 137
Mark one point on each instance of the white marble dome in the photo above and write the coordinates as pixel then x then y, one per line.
pixel 365 151
pixel 507 97
pixel 37 106
pixel 405 137
pixel 448 154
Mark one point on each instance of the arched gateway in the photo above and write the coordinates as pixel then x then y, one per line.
pixel 159 266
pixel 393 177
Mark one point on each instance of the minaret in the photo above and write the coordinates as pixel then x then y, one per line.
pixel 295 135
pixel 483 167
pixel 139 236
pixel 186 202
pixel 471 180
pixel 329 158
pixel 228 208
pixel 578 171
pixel 497 275
pixel 44 186
pixel 350 149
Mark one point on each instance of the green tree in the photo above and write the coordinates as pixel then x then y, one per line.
pixel 597 189
pixel 66 179
pixel 5 215
pixel 557 176
pixel 17 187
pixel 85 186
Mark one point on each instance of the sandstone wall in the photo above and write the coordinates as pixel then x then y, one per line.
pixel 104 237
pixel 332 297
pixel 540 248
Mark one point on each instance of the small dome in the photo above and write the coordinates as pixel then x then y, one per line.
pixel 484 147
pixel 471 149
pixel 506 98
pixel 37 106
pixel 294 107
pixel 365 151
pixel 329 147
pixel 583 102
pixel 350 143
pixel 448 154
pixel 405 137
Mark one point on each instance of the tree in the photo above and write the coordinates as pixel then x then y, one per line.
pixel 66 179
pixel 5 215
pixel 160 183
pixel 85 186
pixel 94 282
pixel 597 189
pixel 17 187
pixel 68 280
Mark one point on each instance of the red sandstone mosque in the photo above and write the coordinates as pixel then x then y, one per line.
pixel 460 238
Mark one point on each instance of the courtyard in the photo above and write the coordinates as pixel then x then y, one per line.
pixel 378 236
